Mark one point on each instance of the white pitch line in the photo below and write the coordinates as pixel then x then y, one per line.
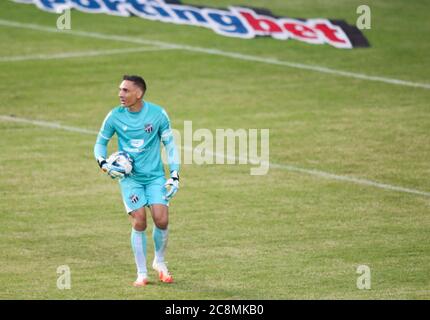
pixel 47 124
pixel 218 52
pixel 365 182
pixel 318 173
pixel 67 55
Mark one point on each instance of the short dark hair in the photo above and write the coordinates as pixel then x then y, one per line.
pixel 137 80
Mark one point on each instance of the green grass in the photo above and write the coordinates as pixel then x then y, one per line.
pixel 285 235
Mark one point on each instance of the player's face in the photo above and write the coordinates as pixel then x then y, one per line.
pixel 129 94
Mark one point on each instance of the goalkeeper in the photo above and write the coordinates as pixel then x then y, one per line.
pixel 140 126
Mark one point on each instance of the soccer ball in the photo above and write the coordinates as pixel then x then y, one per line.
pixel 121 159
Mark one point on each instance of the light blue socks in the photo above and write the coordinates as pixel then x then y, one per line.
pixel 160 237
pixel 138 243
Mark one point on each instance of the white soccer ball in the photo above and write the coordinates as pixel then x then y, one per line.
pixel 121 159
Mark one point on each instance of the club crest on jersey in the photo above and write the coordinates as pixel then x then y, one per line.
pixel 148 128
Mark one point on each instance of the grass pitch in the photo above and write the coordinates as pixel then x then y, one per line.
pixel 284 235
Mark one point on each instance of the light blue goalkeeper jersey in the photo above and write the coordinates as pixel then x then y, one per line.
pixel 139 134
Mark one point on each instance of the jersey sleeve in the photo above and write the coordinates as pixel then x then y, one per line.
pixel 106 132
pixel 166 135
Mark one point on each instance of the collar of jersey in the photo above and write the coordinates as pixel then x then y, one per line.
pixel 141 111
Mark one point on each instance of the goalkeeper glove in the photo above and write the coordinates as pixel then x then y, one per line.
pixel 172 185
pixel 113 171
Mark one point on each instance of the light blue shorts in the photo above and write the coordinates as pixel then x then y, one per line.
pixel 136 195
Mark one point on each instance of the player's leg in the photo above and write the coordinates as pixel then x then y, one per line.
pixel 138 244
pixel 160 233
pixel 138 219
pixel 160 214
pixel 134 200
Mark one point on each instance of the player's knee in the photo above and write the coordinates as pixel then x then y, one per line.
pixel 161 223
pixel 138 220
pixel 139 225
